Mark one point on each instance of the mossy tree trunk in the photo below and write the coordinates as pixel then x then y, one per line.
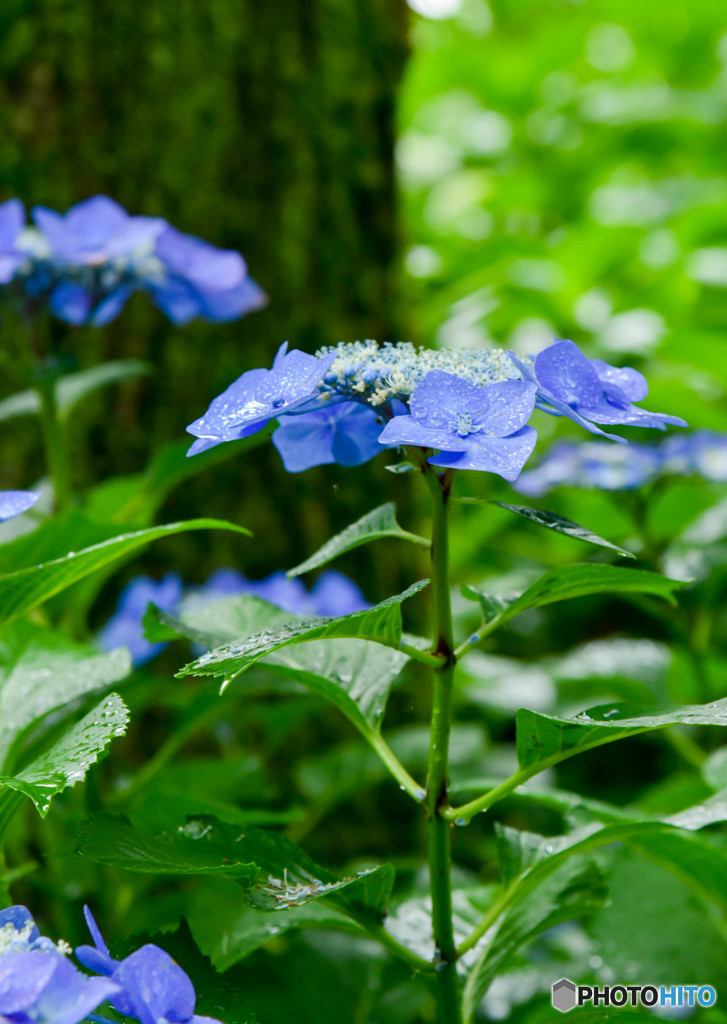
pixel 266 127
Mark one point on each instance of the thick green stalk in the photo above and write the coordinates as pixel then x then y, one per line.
pixel 438 828
pixel 55 441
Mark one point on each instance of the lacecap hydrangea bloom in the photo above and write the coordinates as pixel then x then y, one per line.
pixel 466 409
pixel 86 263
pixel 331 594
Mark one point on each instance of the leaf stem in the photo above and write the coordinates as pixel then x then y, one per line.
pixel 397 769
pixel 438 827
pixel 463 814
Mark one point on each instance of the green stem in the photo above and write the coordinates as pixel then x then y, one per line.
pixel 54 441
pixel 397 769
pixel 438 828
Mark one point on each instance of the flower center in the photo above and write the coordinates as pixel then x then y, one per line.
pixel 463 424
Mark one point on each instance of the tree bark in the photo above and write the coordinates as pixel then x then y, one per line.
pixel 265 127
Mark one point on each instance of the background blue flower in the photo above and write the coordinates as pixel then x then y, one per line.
pixel 592 464
pixel 201 280
pixel 12 222
pixel 124 628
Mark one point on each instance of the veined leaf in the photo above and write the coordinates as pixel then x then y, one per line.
pixel 68 760
pixel 275 873
pixel 381 624
pixel 227 931
pixel 381 522
pixel 560 524
pixel 23 590
pixel 570 581
pixel 544 740
pixel 73 387
pixel 354 675
pixel 43 671
pixel 216 622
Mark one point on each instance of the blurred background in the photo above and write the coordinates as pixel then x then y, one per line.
pixel 451 172
pixel 447 172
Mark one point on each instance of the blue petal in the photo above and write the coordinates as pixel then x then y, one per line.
pixel 70 996
pixel 23 977
pixel 110 307
pixel 125 628
pixel 153 986
pixel 408 430
pixel 630 381
pixel 505 456
pixel 14 503
pixel 70 302
pixel 346 433
pixel 335 594
pixel 565 373
pixel 12 222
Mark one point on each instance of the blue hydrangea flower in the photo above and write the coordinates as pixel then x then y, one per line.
pixel 335 594
pixel 151 987
pixel 590 391
pixel 91 250
pixel 14 503
pixel 592 464
pixel 86 263
pixel 332 593
pixel 95 231
pixel 346 433
pixel 473 427
pixel 38 985
pixel 250 402
pixel 124 628
pixel 703 452
pixel 201 280
pixel 12 222
pixel 19 933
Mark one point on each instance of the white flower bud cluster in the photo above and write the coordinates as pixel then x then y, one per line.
pixel 374 373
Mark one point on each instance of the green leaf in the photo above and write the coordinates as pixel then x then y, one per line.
pixel 193 850
pixel 207 846
pixel 544 740
pixel 662 935
pixel 68 760
pixel 381 522
pixel 227 932
pixel 42 671
pixel 73 387
pixel 380 624
pixel 216 623
pixel 571 581
pixel 354 675
pixel 575 890
pixel 560 524
pixel 23 590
